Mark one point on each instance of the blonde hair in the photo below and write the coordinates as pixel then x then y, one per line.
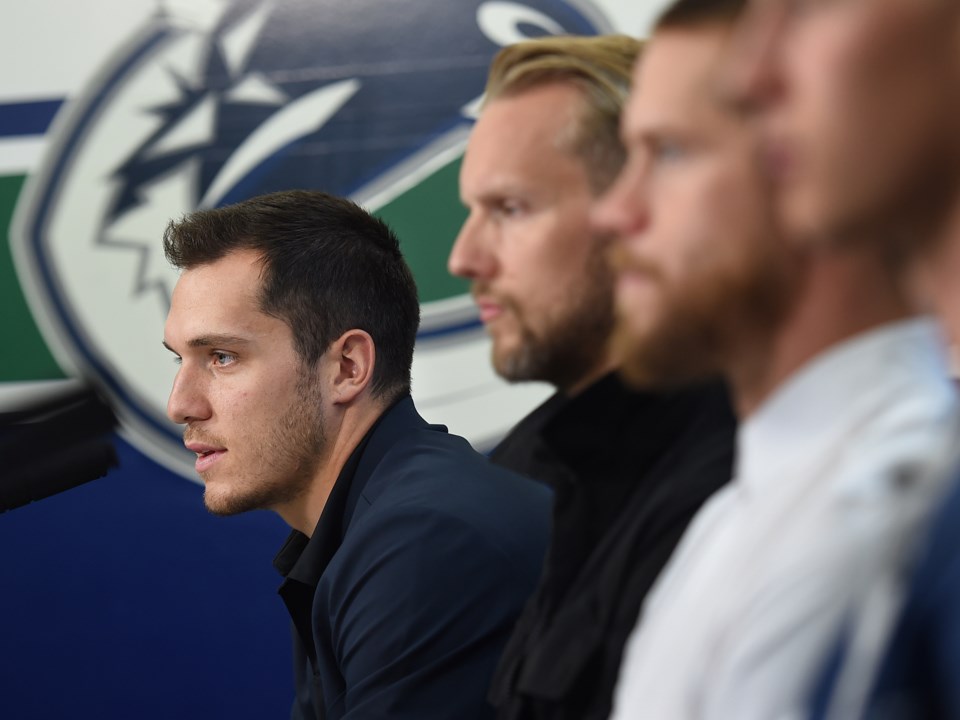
pixel 600 66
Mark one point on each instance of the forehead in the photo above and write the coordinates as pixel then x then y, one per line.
pixel 523 134
pixel 218 297
pixel 674 83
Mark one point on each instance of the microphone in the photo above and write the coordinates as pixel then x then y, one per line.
pixel 54 444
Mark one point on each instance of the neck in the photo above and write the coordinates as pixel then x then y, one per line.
pixel 345 431
pixel 605 366
pixel 842 292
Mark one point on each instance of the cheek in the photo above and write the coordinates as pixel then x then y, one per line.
pixel 674 217
pixel 566 229
pixel 248 399
pixel 546 254
pixel 882 102
pixel 235 405
pixel 826 59
pixel 724 218
pixel 868 59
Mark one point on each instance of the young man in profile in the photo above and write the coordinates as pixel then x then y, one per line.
pixel 839 385
pixel 294 321
pixel 629 468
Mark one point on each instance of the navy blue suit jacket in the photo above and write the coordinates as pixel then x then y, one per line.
pixel 919 675
pixel 404 596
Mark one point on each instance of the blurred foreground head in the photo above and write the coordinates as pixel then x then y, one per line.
pixel 858 102
pixel 545 145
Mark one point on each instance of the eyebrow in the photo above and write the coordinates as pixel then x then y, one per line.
pixel 645 132
pixel 210 341
pixel 496 193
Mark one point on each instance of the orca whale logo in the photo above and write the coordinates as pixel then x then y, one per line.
pixel 215 101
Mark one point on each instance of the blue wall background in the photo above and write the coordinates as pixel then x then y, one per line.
pixel 124 598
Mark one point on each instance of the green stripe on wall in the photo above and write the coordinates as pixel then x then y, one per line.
pixel 427 219
pixel 23 353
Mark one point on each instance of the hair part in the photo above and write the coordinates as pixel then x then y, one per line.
pixel 328 267
pixel 600 66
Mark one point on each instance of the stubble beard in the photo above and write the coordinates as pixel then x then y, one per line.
pixel 284 465
pixel 564 352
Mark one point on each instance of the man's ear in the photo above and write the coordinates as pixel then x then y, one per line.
pixel 353 357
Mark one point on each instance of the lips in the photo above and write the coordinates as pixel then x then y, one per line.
pixel 489 310
pixel 778 158
pixel 207 455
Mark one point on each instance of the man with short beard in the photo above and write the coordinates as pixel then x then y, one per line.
pixel 629 469
pixel 293 323
pixel 860 101
pixel 839 386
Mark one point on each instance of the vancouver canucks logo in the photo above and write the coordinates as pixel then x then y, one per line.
pixel 216 101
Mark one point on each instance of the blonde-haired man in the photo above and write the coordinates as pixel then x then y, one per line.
pixel 628 469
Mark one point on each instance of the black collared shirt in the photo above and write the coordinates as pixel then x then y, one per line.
pixel 302 560
pixel 425 552
pixel 629 470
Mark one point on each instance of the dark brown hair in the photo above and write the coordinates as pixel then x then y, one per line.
pixel 328 267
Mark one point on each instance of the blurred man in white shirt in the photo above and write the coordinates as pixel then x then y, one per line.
pixel 858 103
pixel 841 389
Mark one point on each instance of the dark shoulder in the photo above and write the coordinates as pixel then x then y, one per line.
pixel 437 482
pixel 522 448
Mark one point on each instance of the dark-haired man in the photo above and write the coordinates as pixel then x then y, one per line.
pixel 294 322
pixel 629 468
pixel 840 386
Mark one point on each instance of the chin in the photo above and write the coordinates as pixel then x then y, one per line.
pixel 510 364
pixel 215 504
pixel 223 503
pixel 804 218
pixel 629 347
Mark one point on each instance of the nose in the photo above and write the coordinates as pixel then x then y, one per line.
pixel 751 76
pixel 624 209
pixel 471 256
pixel 187 401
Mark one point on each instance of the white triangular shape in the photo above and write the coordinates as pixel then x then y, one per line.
pixel 143 224
pixel 291 122
pixel 196 129
pixel 255 88
pixel 239 41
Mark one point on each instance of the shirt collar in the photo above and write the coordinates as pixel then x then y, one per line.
pixel 816 407
pixel 305 559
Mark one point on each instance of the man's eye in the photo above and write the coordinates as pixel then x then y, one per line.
pixel 222 359
pixel 177 360
pixel 509 208
pixel 668 151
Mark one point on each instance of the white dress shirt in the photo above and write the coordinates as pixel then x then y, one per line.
pixel 835 473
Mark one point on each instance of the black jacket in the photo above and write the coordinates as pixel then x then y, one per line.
pixel 405 594
pixel 629 471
